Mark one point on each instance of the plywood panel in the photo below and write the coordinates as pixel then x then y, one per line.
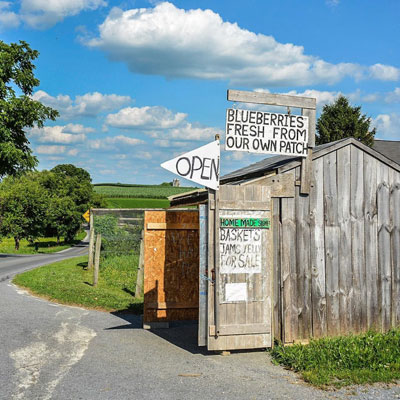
pixel 171 271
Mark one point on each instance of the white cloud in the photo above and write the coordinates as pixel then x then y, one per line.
pixel 387 126
pixel 109 143
pixel 118 157
pixel 42 14
pixel 323 97
pixel 169 143
pixel 73 152
pixel 89 104
pixel 71 133
pixel 143 155
pixel 384 72
pixel 120 139
pixel 108 171
pixel 145 118
pixel 8 19
pixel 77 128
pixel 393 97
pixel 192 132
pixel 327 97
pixel 51 149
pixel 176 43
pixel 160 123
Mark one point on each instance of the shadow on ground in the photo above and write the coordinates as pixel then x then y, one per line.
pixel 182 334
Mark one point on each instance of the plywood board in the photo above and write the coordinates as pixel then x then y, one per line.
pixel 171 266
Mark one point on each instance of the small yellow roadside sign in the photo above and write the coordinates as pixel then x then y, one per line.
pixel 86 215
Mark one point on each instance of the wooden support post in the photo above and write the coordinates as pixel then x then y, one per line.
pixel 216 264
pixel 140 272
pixel 97 260
pixel 91 241
pixel 306 163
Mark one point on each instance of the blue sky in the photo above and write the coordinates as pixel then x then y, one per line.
pixel 139 82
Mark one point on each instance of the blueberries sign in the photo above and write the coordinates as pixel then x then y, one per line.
pixel 200 165
pixel 265 132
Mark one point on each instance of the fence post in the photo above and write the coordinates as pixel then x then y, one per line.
pixel 91 241
pixel 140 273
pixel 97 260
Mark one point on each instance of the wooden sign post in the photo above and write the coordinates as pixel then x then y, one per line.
pixel 308 109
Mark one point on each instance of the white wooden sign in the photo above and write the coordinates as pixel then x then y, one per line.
pixel 265 132
pixel 200 165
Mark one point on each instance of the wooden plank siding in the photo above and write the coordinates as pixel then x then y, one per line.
pixel 395 246
pixel 303 279
pixel 357 239
pixel 332 231
pixel 317 251
pixel 338 255
pixel 288 270
pixel 343 206
pixel 384 251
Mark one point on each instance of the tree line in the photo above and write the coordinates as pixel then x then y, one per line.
pixel 46 203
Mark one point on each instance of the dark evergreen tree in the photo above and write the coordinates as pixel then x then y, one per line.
pixel 340 120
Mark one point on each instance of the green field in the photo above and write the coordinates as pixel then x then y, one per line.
pixel 44 245
pixel 136 203
pixel 140 191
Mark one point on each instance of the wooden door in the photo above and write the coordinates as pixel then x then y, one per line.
pixel 239 268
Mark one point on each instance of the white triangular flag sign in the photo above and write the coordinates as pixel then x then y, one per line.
pixel 200 165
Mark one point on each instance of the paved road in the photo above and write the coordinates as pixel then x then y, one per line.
pixel 50 351
pixel 11 264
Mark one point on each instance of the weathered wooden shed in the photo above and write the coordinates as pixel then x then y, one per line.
pixel 336 252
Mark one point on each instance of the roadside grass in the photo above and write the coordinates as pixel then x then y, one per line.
pixel 69 282
pixel 136 203
pixel 335 362
pixel 45 245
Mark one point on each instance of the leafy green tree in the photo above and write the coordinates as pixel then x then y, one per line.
pixel 72 171
pixel 340 120
pixel 23 208
pixel 18 112
pixel 44 203
pixel 63 218
pixel 71 194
